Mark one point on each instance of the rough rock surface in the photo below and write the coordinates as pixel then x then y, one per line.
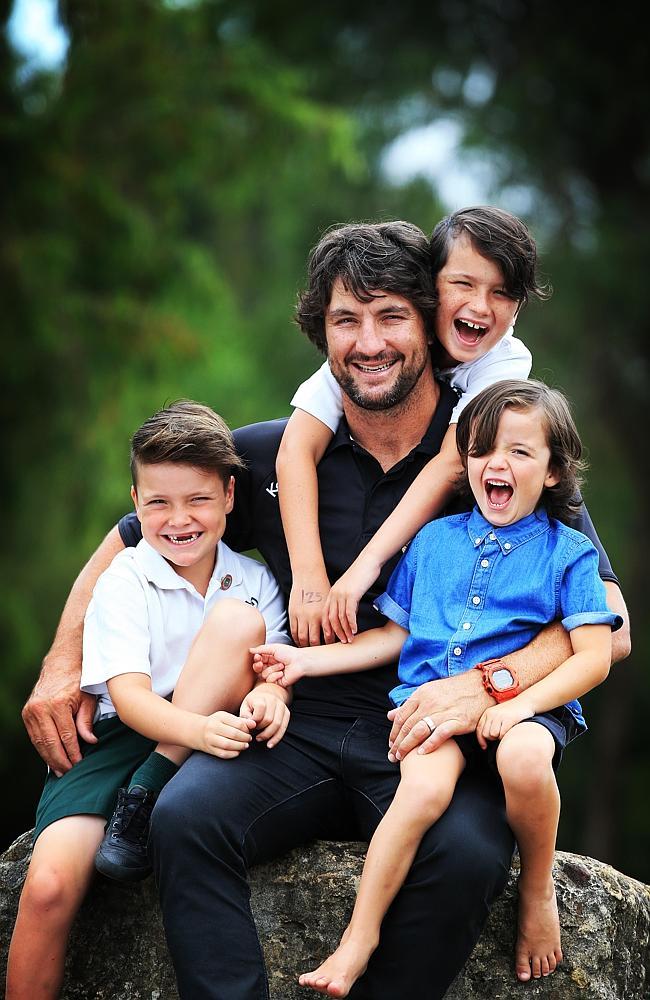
pixel 301 903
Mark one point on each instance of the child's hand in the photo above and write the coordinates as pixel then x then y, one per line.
pixel 306 606
pixel 497 720
pixel 278 664
pixel 268 713
pixel 340 615
pixel 225 735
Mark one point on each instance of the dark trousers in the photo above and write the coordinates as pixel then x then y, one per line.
pixel 327 779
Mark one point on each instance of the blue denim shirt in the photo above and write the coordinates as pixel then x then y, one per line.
pixel 467 591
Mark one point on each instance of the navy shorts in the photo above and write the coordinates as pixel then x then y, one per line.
pixel 560 723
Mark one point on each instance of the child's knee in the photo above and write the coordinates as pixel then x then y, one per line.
pixel 525 758
pixel 424 802
pixel 236 619
pixel 47 891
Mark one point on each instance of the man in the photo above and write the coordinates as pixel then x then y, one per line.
pixel 330 776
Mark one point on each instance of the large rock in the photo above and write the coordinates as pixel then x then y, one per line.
pixel 301 904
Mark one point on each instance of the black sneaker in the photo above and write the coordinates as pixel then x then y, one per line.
pixel 122 854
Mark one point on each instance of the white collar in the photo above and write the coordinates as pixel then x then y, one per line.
pixel 227 571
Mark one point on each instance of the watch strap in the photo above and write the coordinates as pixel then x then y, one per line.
pixel 488 668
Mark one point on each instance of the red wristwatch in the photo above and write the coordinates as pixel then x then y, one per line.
pixel 499 680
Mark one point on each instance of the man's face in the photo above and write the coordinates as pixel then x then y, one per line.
pixel 376 350
pixel 474 310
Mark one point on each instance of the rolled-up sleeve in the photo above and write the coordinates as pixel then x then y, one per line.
pixel 395 603
pixel 583 598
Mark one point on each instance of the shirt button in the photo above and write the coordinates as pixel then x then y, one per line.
pixel 457 651
pixel 477 541
pixel 467 625
pixel 484 563
pixel 476 600
pixel 507 545
pixel 492 536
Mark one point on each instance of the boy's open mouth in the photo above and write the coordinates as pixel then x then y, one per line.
pixel 498 493
pixel 469 333
pixel 183 539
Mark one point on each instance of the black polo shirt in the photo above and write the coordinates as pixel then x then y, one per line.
pixel 355 498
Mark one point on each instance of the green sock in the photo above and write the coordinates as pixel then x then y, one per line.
pixel 154 773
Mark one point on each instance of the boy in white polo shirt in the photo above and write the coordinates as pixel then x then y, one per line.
pixel 166 650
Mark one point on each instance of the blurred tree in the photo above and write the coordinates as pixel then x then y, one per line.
pixel 165 189
pixel 161 196
pixel 557 103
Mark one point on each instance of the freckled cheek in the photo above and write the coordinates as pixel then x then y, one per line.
pixel 506 315
pixel 449 300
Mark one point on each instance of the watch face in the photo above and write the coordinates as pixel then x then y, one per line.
pixel 502 679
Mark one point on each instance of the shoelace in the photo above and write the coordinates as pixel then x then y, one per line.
pixel 131 819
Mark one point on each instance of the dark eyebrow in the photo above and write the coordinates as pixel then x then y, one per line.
pixel 344 311
pixel 402 310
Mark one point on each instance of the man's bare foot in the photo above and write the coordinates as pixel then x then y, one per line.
pixel 338 973
pixel 538 950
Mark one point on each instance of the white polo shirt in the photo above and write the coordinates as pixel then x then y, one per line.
pixel 143 616
pixel 320 394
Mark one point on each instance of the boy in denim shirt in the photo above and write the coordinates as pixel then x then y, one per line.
pixel 470 589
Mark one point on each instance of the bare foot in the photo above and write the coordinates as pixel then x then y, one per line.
pixel 338 973
pixel 538 950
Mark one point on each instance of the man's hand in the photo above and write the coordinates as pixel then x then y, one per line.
pixel 454 705
pixel 497 720
pixel 340 615
pixel 277 663
pixel 56 714
pixel 266 706
pixel 306 607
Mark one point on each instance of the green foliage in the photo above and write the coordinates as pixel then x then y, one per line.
pixel 162 194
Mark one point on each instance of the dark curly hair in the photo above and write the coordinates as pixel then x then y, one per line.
pixel 477 430
pixel 367 257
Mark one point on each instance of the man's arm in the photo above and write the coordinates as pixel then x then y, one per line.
pixel 57 712
pixel 621 639
pixel 455 704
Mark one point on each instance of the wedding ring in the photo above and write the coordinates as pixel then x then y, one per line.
pixel 429 724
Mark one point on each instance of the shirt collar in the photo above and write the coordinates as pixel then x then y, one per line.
pixel 159 572
pixel 430 443
pixel 510 536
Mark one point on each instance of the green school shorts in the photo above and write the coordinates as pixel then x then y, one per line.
pixel 91 786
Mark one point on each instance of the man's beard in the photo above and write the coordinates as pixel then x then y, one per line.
pixel 393 395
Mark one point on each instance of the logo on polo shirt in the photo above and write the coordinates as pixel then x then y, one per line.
pixel 272 490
